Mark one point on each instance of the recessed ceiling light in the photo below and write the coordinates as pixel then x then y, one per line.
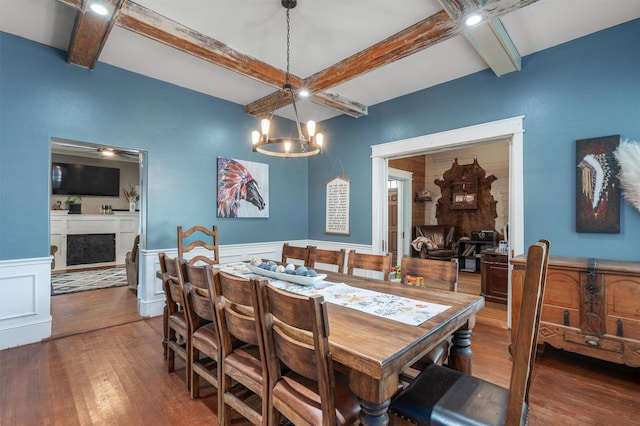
pixel 473 19
pixel 99 9
pixel 303 93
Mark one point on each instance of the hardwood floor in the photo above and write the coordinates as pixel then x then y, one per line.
pixel 116 375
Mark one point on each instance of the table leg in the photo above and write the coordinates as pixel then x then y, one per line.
pixel 460 356
pixel 372 414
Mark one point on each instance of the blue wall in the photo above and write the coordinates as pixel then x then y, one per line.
pixel 41 96
pixel 587 88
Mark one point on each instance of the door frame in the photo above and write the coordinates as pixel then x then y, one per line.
pixel 510 128
pixel 405 181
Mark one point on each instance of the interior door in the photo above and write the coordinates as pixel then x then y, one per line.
pixel 393 224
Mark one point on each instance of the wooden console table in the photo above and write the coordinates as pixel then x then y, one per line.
pixel 591 307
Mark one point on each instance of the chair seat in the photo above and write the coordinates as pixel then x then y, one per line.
pixel 178 319
pixel 294 387
pixel 442 396
pixel 440 254
pixel 247 360
pixel 206 336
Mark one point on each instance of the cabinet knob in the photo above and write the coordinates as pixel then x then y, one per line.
pixel 592 342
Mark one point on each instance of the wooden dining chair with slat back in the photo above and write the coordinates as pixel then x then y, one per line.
pixel 296 335
pixel 205 342
pixel 242 356
pixel 430 269
pixel 301 254
pixel 319 257
pixel 177 330
pixel 370 262
pixel 440 395
pixel 213 258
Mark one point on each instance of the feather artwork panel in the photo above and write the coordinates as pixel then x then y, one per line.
pixel 243 188
pixel 597 186
pixel 628 156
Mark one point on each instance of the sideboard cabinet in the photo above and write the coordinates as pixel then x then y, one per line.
pixel 591 307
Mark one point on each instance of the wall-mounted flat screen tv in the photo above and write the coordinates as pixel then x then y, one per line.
pixel 80 179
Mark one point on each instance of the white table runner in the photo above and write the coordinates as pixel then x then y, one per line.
pixel 397 308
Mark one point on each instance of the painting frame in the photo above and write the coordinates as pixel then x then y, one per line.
pixel 598 195
pixel 242 189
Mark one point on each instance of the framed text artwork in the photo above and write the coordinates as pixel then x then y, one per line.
pixel 597 188
pixel 243 188
pixel 337 209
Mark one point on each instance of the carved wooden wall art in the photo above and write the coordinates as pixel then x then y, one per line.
pixel 466 202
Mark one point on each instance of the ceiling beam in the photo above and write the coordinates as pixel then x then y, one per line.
pixel 428 32
pixel 489 38
pixel 90 32
pixel 143 21
pixel 432 30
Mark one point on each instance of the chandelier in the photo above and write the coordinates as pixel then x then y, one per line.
pixel 300 146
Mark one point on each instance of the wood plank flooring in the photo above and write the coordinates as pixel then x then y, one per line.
pixel 116 375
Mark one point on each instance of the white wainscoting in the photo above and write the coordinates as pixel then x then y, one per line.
pixel 25 305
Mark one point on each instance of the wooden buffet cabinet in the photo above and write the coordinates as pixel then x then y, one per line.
pixel 591 307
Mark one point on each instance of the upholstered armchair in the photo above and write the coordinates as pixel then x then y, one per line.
pixel 434 241
pixel 131 264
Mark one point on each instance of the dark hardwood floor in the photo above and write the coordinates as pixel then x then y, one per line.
pixel 116 375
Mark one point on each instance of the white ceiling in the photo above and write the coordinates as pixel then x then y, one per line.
pixel 322 33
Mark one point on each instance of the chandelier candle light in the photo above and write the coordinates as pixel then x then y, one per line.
pixel 300 146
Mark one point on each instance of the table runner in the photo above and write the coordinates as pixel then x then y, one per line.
pixel 389 306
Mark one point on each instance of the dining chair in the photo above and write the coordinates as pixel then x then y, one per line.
pixel 442 396
pixel 371 262
pixel 204 342
pixel 327 257
pixel 176 325
pixel 296 336
pixel 296 253
pixel 200 232
pixel 430 269
pixel 131 265
pixel 242 352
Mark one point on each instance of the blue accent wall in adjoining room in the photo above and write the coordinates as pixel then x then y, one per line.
pixel 586 88
pixel 183 132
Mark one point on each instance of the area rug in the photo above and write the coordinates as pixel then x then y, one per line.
pixel 73 282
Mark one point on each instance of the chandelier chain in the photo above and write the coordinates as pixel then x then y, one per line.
pixel 288 44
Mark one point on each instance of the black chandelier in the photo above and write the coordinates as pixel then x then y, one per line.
pixel 290 146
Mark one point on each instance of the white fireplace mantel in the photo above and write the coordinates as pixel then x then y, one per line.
pixel 123 224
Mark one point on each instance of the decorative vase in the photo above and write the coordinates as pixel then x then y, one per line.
pixel 132 206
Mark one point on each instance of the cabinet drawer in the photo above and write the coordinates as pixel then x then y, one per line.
pixel 597 343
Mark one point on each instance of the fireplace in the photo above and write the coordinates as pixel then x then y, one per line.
pixel 85 249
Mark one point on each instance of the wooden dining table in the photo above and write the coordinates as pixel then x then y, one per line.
pixel 372 351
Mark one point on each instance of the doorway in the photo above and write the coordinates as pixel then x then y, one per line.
pixel 510 129
pixel 132 174
pixel 399 213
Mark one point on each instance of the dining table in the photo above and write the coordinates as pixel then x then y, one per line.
pixel 373 350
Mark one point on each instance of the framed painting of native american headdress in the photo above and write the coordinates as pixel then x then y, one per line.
pixel 597 188
pixel 243 188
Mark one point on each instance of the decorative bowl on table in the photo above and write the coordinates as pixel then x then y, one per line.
pixel 297 279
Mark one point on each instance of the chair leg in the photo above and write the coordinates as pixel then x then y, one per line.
pixel 195 379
